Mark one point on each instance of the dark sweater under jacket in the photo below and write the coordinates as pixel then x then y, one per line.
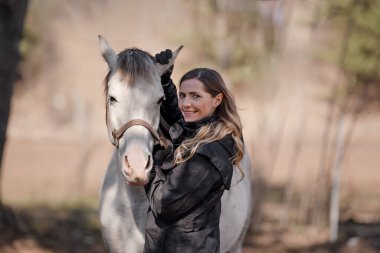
pixel 185 200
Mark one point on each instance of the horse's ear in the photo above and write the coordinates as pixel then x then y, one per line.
pixel 107 52
pixel 163 68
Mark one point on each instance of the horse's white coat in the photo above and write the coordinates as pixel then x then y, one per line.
pixel 123 208
pixel 122 211
pixel 236 209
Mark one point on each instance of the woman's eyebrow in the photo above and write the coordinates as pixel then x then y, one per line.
pixel 191 92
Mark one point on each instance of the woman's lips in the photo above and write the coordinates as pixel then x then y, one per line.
pixel 188 113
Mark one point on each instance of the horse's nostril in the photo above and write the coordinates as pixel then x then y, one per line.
pixel 126 161
pixel 149 162
pixel 128 170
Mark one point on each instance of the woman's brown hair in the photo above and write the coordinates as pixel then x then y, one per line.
pixel 228 123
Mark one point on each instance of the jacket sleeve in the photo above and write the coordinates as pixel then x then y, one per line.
pixel 169 108
pixel 173 195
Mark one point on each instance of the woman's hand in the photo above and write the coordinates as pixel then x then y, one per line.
pixel 163 58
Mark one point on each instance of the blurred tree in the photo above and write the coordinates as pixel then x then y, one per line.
pixel 358 61
pixel 12 14
pixel 360 55
pixel 224 34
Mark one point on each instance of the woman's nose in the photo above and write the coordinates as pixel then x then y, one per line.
pixel 186 102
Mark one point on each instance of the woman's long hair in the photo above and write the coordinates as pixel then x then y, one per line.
pixel 228 122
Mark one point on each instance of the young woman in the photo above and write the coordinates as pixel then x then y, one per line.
pixel 188 180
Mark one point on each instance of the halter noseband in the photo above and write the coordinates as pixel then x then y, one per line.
pixel 119 133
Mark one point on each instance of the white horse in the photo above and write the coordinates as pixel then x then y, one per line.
pixel 133 95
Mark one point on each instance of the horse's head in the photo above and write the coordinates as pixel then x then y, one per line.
pixel 133 96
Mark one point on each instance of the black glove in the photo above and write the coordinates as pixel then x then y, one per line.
pixel 160 156
pixel 157 162
pixel 151 177
pixel 163 58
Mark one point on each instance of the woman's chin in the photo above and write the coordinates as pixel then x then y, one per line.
pixel 190 118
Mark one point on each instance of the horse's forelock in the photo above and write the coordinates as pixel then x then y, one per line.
pixel 135 63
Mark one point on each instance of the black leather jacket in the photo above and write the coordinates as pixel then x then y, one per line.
pixel 185 200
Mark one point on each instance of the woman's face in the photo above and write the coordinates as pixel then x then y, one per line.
pixel 195 102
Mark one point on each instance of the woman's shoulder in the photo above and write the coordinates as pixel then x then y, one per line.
pixel 219 153
pixel 224 146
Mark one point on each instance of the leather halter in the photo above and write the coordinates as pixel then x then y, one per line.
pixel 119 133
pixel 116 135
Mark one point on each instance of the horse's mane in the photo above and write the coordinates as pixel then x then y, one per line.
pixel 133 62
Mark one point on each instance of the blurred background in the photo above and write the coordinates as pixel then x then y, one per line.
pixel 305 75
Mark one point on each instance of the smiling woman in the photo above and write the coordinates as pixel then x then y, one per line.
pixel 208 96
pixel 195 102
pixel 186 186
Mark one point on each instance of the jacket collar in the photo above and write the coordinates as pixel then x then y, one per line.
pixel 187 130
pixel 191 128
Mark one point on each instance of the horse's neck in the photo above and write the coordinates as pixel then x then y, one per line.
pixel 123 210
pixel 135 204
pixel 135 194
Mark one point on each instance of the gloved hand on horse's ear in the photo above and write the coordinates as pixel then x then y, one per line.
pixel 163 58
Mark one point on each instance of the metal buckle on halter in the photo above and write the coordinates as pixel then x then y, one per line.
pixel 115 140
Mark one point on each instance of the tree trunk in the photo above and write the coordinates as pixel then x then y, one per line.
pixel 322 195
pixel 335 193
pixel 12 14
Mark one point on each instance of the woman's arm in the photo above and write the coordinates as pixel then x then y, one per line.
pixel 169 108
pixel 173 195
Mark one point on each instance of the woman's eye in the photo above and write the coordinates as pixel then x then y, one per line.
pixel 112 99
pixel 196 96
pixel 181 95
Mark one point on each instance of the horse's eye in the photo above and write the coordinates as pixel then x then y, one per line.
pixel 161 99
pixel 112 99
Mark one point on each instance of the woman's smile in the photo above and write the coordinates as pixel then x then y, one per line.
pixel 194 102
pixel 188 113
